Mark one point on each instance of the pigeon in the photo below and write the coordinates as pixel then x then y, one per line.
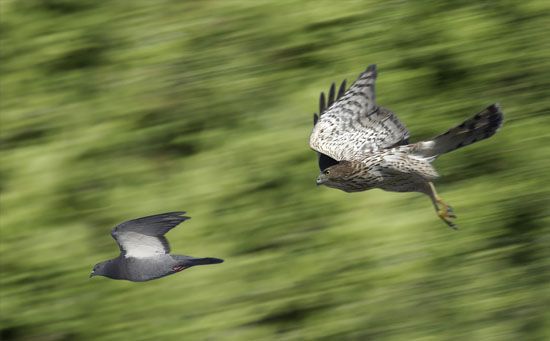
pixel 145 252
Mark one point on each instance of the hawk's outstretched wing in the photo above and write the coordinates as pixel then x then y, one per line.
pixel 326 161
pixel 354 125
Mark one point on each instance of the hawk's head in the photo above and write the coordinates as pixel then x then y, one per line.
pixel 338 176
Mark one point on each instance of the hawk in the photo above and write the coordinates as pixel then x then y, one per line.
pixel 361 145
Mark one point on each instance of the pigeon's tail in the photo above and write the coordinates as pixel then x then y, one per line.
pixel 204 261
pixel 479 127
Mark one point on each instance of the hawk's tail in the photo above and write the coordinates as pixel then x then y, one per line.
pixel 479 127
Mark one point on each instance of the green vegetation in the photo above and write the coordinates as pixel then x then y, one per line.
pixel 112 110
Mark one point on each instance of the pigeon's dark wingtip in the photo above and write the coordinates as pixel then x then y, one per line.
pixel 497 117
pixel 175 213
pixel 179 214
pixel 494 108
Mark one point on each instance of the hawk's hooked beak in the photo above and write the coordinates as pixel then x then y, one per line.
pixel 320 180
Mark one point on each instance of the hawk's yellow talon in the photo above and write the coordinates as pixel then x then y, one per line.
pixel 445 212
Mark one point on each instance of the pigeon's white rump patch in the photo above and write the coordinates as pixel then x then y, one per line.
pixel 137 245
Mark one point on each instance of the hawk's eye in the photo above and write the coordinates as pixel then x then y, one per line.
pixel 326 172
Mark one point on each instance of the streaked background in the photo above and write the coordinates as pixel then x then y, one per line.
pixel 112 110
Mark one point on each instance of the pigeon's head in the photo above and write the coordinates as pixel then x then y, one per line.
pixel 338 176
pixel 101 269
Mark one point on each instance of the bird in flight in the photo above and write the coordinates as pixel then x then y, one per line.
pixel 144 251
pixel 361 145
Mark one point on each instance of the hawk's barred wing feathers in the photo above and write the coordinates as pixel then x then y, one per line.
pixel 352 125
pixel 326 161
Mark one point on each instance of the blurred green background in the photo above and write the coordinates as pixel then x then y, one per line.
pixel 112 110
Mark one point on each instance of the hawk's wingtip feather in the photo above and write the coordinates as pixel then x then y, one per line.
pixel 372 70
pixel 322 103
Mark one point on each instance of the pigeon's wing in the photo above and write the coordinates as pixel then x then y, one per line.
pixel 353 125
pixel 144 237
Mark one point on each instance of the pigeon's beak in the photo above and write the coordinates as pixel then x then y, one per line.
pixel 92 274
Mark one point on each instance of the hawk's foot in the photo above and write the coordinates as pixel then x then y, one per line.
pixel 446 213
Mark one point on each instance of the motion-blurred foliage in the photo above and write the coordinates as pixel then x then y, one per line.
pixel 112 110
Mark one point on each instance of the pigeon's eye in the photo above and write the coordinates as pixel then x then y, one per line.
pixel 326 172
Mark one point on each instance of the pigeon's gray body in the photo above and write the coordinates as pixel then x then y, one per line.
pixel 145 252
